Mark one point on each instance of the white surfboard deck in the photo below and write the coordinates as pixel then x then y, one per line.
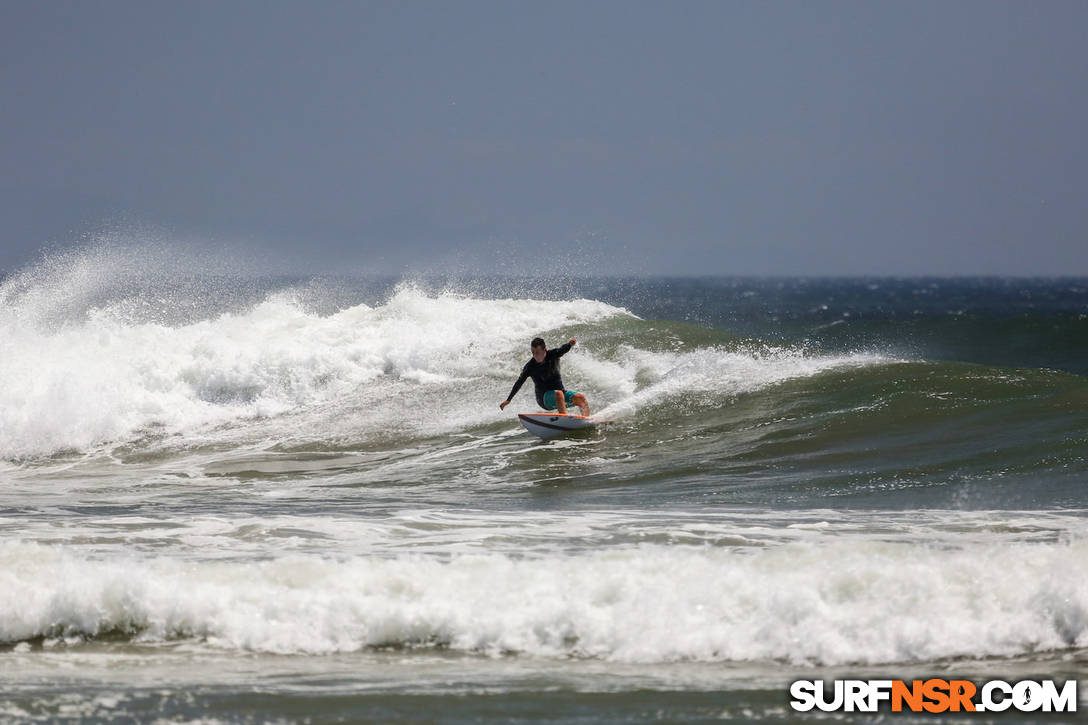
pixel 549 425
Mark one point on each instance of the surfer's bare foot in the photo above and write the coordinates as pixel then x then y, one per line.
pixel 560 402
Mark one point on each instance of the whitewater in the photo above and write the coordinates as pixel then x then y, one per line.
pixel 104 374
pixel 217 484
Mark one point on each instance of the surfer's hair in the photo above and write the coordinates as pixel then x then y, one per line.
pixel 537 342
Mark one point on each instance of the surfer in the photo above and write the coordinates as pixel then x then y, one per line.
pixel 543 368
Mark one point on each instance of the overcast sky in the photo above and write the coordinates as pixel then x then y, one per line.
pixel 792 138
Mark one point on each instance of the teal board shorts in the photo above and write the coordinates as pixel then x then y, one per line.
pixel 549 398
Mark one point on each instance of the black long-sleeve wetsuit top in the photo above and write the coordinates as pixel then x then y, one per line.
pixel 545 375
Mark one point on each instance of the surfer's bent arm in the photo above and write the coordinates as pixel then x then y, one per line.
pixel 564 348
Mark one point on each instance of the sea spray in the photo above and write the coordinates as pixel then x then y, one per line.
pixel 105 380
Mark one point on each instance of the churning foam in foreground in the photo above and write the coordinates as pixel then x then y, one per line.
pixel 840 603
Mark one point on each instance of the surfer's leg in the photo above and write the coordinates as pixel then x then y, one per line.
pixel 560 402
pixel 581 402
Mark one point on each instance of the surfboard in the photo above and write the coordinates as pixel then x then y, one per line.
pixel 549 425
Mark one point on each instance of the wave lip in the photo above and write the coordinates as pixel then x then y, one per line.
pixel 829 604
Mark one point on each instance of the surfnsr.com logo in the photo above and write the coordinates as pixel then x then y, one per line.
pixel 933 695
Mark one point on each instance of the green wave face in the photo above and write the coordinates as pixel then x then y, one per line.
pixel 720 419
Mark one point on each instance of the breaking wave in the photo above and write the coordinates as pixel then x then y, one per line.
pixel 828 604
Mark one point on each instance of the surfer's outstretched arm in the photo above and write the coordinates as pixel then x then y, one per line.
pixel 517 386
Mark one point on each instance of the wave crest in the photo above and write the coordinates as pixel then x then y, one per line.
pixel 105 379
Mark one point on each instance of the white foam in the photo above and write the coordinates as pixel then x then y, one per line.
pixel 104 379
pixel 831 603
pixel 86 365
pixel 717 374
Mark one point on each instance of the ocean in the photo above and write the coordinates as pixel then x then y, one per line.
pixel 231 498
